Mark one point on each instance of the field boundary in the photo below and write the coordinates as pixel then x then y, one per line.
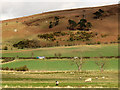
pixel 59 57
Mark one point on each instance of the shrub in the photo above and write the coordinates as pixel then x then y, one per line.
pixel 5 48
pixel 23 68
pixel 27 44
pixel 6 68
pixel 8 60
pixel 72 24
pixel 98 42
pixel 98 14
pixel 11 69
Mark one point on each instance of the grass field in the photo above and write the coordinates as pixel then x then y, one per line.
pixel 71 51
pixel 61 65
pixel 66 79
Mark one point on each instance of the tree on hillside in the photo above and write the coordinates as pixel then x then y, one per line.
pixel 82 24
pixel 56 20
pixel 88 25
pixel 72 24
pixel 50 26
pixel 97 14
pixel 101 11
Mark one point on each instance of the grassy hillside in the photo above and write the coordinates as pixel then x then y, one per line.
pixel 30 27
pixel 70 51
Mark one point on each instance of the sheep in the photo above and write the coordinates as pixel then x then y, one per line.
pixel 88 80
pixel 96 77
pixel 80 77
pixel 75 57
pixel 103 77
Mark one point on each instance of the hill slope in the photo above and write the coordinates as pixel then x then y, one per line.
pixel 30 27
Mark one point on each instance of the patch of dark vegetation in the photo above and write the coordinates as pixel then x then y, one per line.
pixel 91 43
pixel 27 44
pixel 104 35
pixel 51 36
pixel 118 37
pixel 57 55
pixel 36 22
pixel 5 48
pixel 82 25
pixel 55 22
pixel 8 59
pixel 98 14
pixel 23 68
pixel 82 36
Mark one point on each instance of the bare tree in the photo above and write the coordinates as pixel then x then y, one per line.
pixel 79 63
pixel 32 54
pixel 101 64
pixel 59 55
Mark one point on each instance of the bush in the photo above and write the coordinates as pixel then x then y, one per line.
pixel 5 48
pixel 11 69
pixel 6 68
pixel 8 59
pixel 98 42
pixel 27 44
pixel 98 14
pixel 24 68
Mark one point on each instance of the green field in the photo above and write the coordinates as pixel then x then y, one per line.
pixel 70 51
pixel 66 79
pixel 61 65
pixel 44 73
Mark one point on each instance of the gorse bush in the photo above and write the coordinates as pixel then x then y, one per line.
pixel 27 44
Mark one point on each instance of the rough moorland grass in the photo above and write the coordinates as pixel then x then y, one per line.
pixel 71 51
pixel 56 65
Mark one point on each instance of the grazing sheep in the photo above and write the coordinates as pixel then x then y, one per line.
pixel 103 77
pixel 6 86
pixel 96 77
pixel 88 80
pixel 75 57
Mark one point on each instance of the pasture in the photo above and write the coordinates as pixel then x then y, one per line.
pixel 61 64
pixel 44 73
pixel 69 51
pixel 66 79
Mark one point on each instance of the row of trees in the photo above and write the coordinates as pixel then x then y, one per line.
pixel 99 62
pixel 81 25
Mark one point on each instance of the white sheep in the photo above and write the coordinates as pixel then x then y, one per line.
pixel 96 77
pixel 75 57
pixel 103 77
pixel 88 80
